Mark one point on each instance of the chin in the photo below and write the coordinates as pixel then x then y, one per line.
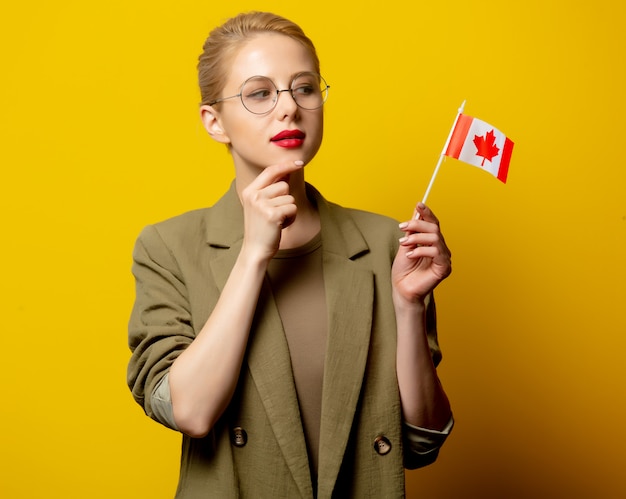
pixel 294 155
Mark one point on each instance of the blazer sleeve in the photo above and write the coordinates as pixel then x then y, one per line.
pixel 160 326
pixel 422 444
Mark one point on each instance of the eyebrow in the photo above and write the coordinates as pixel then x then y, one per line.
pixel 291 78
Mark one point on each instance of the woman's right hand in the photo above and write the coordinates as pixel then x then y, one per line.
pixel 204 377
pixel 268 208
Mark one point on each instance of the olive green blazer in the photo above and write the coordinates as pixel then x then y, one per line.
pixel 257 449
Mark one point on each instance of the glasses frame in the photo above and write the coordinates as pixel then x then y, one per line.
pixel 323 88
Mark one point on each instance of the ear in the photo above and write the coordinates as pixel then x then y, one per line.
pixel 211 121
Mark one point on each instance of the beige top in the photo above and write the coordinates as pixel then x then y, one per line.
pixel 297 281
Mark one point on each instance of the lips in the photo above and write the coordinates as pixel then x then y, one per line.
pixel 289 138
pixel 288 134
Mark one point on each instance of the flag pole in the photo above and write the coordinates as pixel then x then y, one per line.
pixel 441 156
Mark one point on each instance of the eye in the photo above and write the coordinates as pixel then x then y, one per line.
pixel 304 89
pixel 259 94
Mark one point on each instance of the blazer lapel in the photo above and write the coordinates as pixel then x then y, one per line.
pixel 268 356
pixel 350 301
pixel 270 366
pixel 349 295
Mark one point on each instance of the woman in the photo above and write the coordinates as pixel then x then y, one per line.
pixel 290 340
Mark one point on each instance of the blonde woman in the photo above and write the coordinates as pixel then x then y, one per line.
pixel 290 340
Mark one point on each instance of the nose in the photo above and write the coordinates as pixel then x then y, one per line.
pixel 288 106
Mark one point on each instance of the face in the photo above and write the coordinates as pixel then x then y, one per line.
pixel 254 139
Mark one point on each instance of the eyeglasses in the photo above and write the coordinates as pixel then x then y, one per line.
pixel 259 94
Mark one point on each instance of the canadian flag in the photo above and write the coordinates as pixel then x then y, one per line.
pixel 478 143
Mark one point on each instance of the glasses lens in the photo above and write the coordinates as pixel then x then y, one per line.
pixel 309 90
pixel 258 95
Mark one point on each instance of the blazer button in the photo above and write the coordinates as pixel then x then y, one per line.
pixel 238 436
pixel 382 445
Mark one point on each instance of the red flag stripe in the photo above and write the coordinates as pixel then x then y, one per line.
pixel 458 136
pixel 503 170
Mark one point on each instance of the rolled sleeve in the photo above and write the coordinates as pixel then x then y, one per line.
pixel 161 402
pixel 422 444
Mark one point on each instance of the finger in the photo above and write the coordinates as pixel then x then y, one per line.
pixel 274 173
pixel 273 191
pixel 413 226
pixel 426 214
pixel 420 239
pixel 281 211
pixel 419 252
pixel 281 200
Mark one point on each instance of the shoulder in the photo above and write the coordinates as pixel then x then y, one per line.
pixel 220 223
pixel 373 226
pixel 366 221
pixel 355 232
pixel 183 223
pixel 180 227
pixel 369 220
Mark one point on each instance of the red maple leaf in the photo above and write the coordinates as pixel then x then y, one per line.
pixel 486 146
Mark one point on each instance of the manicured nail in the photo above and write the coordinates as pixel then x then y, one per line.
pixel 403 225
pixel 403 239
pixel 299 163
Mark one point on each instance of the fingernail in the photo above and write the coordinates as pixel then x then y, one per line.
pixel 403 225
pixel 298 162
pixel 403 239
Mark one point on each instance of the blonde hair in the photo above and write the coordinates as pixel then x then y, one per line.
pixel 224 41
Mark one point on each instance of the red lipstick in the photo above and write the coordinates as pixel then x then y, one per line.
pixel 289 138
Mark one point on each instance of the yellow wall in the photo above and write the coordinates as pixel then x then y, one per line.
pixel 99 135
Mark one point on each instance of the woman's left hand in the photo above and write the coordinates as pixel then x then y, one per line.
pixel 423 259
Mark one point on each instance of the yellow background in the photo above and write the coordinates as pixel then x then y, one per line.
pixel 99 136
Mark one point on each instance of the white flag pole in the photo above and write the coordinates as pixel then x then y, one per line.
pixel 441 156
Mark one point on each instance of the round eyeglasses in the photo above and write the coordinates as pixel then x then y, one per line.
pixel 259 94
